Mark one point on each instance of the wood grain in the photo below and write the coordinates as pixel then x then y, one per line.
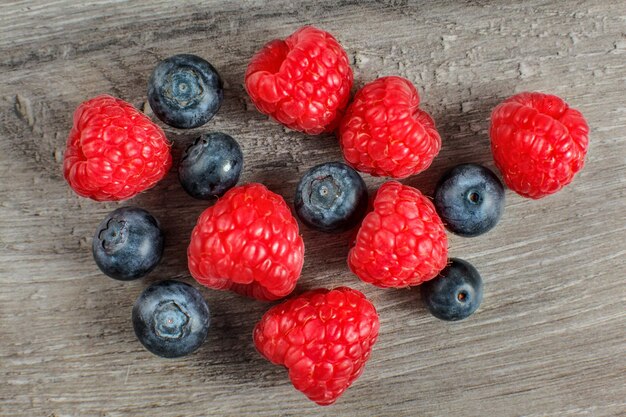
pixel 550 337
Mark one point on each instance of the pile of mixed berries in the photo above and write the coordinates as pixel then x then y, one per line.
pixel 248 241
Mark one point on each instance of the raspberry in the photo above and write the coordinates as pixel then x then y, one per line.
pixel 402 242
pixel 384 133
pixel 302 82
pixel 247 242
pixel 114 151
pixel 324 338
pixel 538 143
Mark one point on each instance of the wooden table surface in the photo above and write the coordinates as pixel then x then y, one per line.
pixel 550 336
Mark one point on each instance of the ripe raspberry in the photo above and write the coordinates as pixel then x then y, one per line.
pixel 114 151
pixel 402 242
pixel 384 133
pixel 302 82
pixel 247 242
pixel 322 337
pixel 538 142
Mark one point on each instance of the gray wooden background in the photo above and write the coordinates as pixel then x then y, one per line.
pixel 550 337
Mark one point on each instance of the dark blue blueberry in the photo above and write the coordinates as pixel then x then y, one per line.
pixel 171 319
pixel 470 199
pixel 185 91
pixel 331 197
pixel 128 244
pixel 456 293
pixel 211 166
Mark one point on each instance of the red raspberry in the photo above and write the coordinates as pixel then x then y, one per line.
pixel 114 151
pixel 384 133
pixel 303 82
pixel 322 337
pixel 538 142
pixel 247 242
pixel 402 242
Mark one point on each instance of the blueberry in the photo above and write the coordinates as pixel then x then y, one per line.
pixel 171 319
pixel 456 293
pixel 331 197
pixel 470 199
pixel 128 244
pixel 211 166
pixel 185 91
